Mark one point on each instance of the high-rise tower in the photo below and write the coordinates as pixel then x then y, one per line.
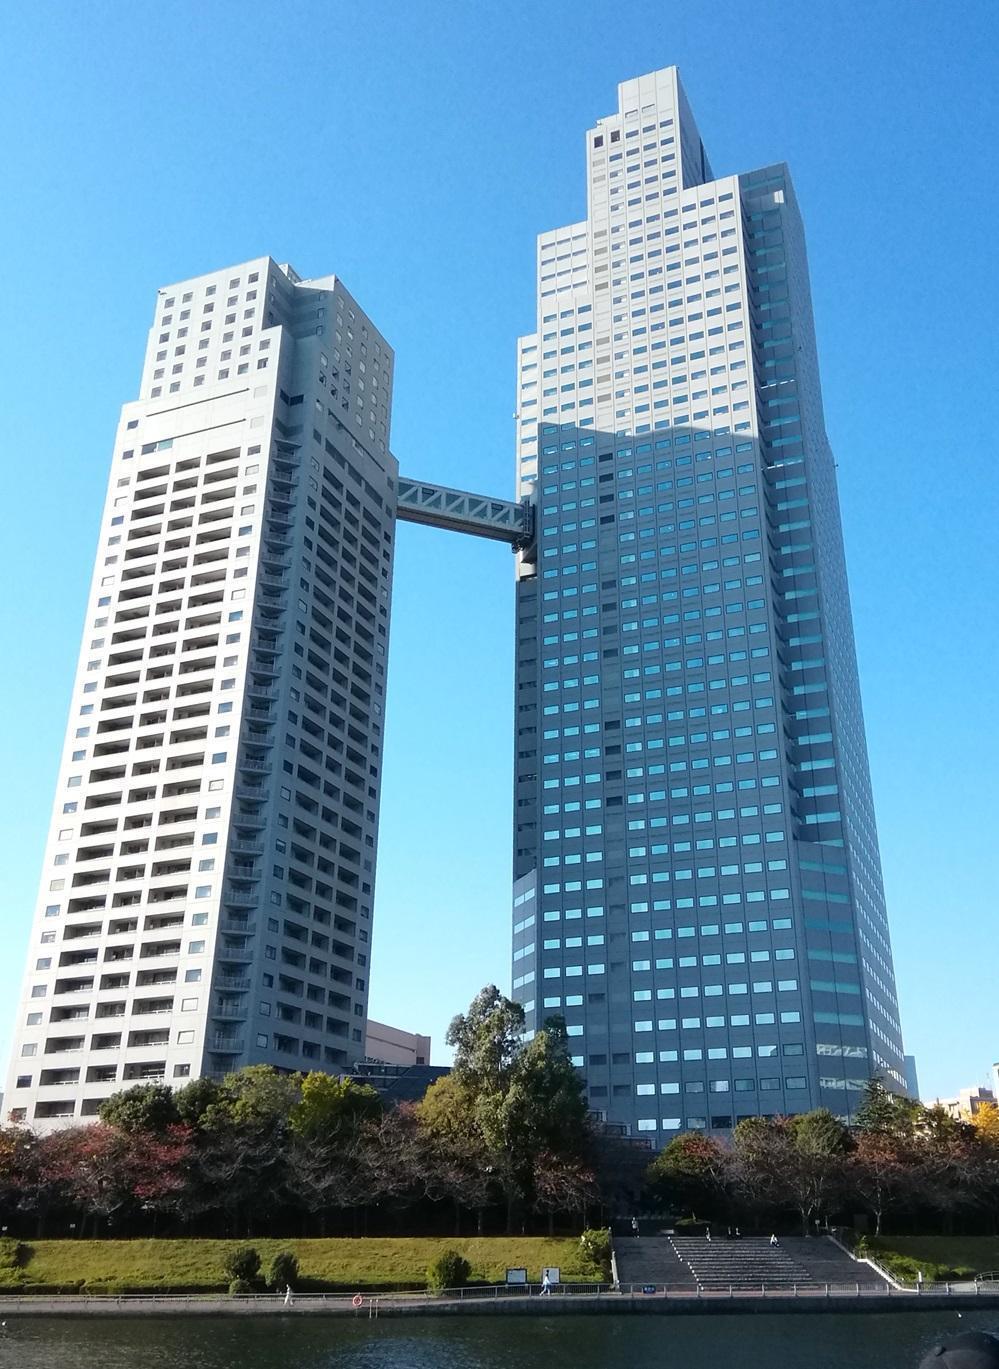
pixel 207 888
pixel 697 882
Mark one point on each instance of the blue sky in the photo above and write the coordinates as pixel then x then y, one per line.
pixel 416 150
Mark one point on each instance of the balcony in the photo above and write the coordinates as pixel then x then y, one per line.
pixel 226 1045
pixel 252 848
pixel 236 927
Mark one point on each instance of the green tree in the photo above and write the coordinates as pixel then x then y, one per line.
pixel 243 1143
pixel 255 1096
pixel 283 1270
pixel 883 1111
pixel 487 1040
pixel 791 1162
pixel 518 1098
pixel 145 1108
pixel 816 1173
pixel 328 1106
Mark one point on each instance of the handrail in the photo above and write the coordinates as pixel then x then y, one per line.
pixel 871 1263
pixel 597 1292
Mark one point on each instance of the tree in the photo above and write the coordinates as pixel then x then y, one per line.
pixel 882 1173
pixel 883 1111
pixel 242 1143
pixel 487 1040
pixel 147 1107
pixel 817 1171
pixel 986 1123
pixel 562 1184
pixel 328 1106
pixel 691 1172
pixel 798 1162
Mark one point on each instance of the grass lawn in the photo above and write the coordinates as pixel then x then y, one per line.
pixel 939 1256
pixel 367 1263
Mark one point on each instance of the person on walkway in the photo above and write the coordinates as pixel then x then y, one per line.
pixel 707 1236
pixel 546 1285
pixel 773 1239
pixel 634 1226
pixel 288 1299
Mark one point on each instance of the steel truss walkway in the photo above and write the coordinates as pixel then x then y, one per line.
pixel 502 520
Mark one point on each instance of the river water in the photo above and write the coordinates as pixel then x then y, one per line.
pixel 749 1341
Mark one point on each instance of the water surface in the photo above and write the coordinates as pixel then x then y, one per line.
pixel 749 1341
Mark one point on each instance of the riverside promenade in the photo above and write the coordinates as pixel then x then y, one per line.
pixel 503 1301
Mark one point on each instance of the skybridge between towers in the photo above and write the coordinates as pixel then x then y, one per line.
pixel 436 506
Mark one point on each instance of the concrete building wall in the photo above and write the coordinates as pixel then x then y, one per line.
pixel 207 888
pixel 392 1046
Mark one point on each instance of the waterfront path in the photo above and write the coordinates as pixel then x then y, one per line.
pixel 504 1302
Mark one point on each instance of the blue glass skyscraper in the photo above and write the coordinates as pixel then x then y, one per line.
pixel 697 887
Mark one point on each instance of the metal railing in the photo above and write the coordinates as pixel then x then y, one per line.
pixel 598 1292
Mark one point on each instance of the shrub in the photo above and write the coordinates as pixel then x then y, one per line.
pixel 596 1246
pixel 449 1270
pixel 240 1288
pixel 14 1254
pixel 241 1263
pixel 283 1270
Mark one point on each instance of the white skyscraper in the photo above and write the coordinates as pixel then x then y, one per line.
pixel 206 895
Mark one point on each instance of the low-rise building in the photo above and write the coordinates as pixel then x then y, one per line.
pixel 968 1102
pixel 392 1046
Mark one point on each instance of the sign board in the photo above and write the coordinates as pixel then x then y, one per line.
pixel 648 1288
pixel 552 1273
pixel 516 1276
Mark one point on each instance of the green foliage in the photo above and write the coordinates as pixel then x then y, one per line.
pixel 449 1270
pixel 906 1268
pixel 520 1105
pixel 241 1262
pixel 145 1108
pixel 254 1097
pixel 14 1255
pixel 886 1112
pixel 240 1288
pixel 283 1270
pixel 819 1133
pixel 595 1243
pixel 486 1039
pixel 327 1105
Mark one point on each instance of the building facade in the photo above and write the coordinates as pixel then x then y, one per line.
pixel 207 888
pixel 392 1046
pixel 968 1103
pixel 697 882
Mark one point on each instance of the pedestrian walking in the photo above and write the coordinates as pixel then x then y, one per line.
pixel 289 1301
pixel 773 1239
pixel 634 1226
pixel 546 1285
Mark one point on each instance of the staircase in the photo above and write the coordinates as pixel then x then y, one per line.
pixel 649 1260
pixel 751 1262
pixel 691 1262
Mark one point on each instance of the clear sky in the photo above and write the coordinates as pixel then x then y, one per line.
pixel 416 150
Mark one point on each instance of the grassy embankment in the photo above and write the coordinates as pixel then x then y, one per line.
pixel 941 1258
pixel 195 1266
